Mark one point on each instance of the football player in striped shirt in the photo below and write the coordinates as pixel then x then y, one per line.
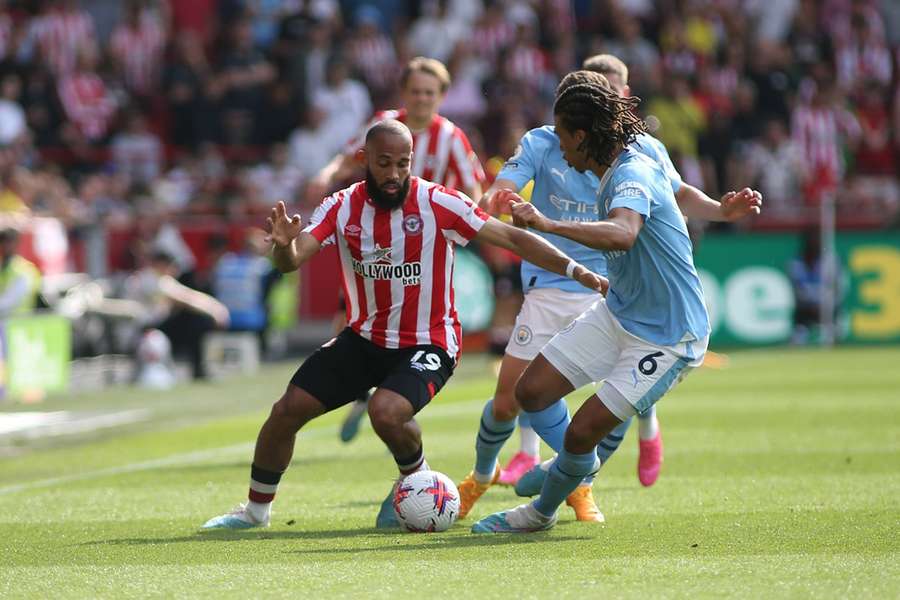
pixel 441 154
pixel 395 234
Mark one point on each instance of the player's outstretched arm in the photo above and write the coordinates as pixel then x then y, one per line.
pixel 540 252
pixel 734 205
pixel 617 232
pixel 194 300
pixel 290 246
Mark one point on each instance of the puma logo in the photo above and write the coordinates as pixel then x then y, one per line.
pixel 560 174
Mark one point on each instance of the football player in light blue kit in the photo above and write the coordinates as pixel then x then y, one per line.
pixel 550 305
pixel 694 204
pixel 651 329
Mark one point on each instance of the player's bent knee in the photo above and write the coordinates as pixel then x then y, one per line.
pixel 504 407
pixel 528 393
pixel 389 413
pixel 296 406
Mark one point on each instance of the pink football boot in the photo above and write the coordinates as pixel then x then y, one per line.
pixel 650 460
pixel 520 464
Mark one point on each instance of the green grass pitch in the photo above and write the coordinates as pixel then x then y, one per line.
pixel 781 479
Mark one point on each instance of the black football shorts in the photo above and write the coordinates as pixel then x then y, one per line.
pixel 347 366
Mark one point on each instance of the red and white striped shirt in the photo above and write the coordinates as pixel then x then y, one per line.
pixel 818 132
pixel 441 152
pixel 59 35
pixel 397 265
pixel 87 104
pixel 140 52
pixel 375 57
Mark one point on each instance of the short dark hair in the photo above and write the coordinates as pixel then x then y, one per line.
pixel 579 77
pixel 392 126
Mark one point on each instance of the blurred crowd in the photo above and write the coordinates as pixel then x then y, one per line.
pixel 112 111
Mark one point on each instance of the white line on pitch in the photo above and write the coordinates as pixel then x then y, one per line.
pixel 457 408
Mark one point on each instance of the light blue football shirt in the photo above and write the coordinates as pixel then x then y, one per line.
pixel 654 290
pixel 651 147
pixel 560 193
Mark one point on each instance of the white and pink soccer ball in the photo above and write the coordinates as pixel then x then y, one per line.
pixel 426 501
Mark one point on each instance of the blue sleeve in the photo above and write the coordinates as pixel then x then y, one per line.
pixel 655 149
pixel 631 189
pixel 523 165
pixel 671 172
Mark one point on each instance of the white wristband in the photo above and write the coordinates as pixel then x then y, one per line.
pixel 570 268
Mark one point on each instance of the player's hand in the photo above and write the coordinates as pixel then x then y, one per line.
pixel 526 215
pixel 737 205
pixel 591 280
pixel 282 229
pixel 500 200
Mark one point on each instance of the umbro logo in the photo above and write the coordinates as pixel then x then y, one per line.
pixel 353 230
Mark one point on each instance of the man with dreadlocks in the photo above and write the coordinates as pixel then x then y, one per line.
pixel 651 328
pixel 551 304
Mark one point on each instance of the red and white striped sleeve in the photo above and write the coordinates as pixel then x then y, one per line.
pixel 457 216
pixel 463 161
pixel 323 223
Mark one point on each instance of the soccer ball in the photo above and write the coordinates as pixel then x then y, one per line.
pixel 426 501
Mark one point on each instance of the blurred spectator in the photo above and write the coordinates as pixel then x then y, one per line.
pixel 242 282
pixel 372 52
pixel 806 276
pixel 269 182
pixel 184 315
pixel 638 53
pixel 13 126
pixel 345 103
pixel 437 32
pixel 529 64
pixel 464 102
pixel 87 103
pixel 309 144
pixel 681 121
pixel 820 129
pixel 266 16
pixel 876 182
pixel 773 165
pixel 863 56
pixel 136 152
pixel 20 280
pixel 493 32
pixel 136 48
pixel 279 114
pixel 189 88
pixel 241 82
pixel 43 110
pixel 58 36
pixel 809 43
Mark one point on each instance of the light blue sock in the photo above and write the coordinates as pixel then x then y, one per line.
pixel 492 434
pixel 567 471
pixel 551 423
pixel 609 445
